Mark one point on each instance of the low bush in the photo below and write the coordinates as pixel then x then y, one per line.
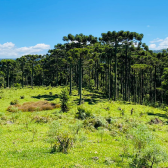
pixel 99 122
pixel 22 97
pixel 17 85
pixel 83 113
pixel 147 152
pixel 14 102
pixel 64 142
pixel 96 122
pixel 40 119
pixel 61 141
pixel 109 120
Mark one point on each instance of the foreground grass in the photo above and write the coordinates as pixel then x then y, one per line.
pixel 24 137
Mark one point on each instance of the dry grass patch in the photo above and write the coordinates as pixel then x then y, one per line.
pixel 33 106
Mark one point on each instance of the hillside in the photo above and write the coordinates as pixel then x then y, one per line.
pixel 102 133
pixel 158 51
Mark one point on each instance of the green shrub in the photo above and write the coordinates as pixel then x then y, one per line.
pixel 41 119
pixel 83 113
pixel 61 141
pixel 110 120
pixel 146 151
pixel 64 100
pixel 64 142
pixel 22 97
pixel 99 122
pixel 95 122
pixel 150 156
pixel 108 161
pixel 17 85
pixel 14 102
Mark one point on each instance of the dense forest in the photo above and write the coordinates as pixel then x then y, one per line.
pixel 118 64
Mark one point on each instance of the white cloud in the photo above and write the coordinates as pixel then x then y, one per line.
pixel 7 45
pixel 9 50
pixel 157 40
pixel 162 44
pixel 152 46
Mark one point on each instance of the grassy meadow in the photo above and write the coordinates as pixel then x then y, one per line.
pixel 103 136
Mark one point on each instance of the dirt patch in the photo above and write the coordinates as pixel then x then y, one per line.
pixel 33 106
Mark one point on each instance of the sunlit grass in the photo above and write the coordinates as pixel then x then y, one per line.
pixel 24 135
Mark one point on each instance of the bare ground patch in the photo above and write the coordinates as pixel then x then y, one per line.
pixel 33 106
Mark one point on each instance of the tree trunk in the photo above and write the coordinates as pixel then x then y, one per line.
pixel 8 76
pixel 89 76
pixel 22 75
pixel 32 76
pixel 115 89
pixel 109 77
pixel 70 91
pixel 80 80
pixel 97 76
pixel 126 73
pixel 155 86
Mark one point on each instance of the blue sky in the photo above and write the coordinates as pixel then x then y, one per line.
pixel 34 26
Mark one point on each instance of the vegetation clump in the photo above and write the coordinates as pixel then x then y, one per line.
pixel 41 119
pixel 64 100
pixel 147 152
pixel 22 97
pixel 14 102
pixel 61 140
pixel 96 122
pixel 83 113
pixel 33 106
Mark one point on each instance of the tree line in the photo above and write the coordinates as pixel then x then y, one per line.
pixel 118 64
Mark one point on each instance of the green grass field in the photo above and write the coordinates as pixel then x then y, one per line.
pixel 25 140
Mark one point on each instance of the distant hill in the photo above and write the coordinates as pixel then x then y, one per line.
pixel 7 58
pixel 158 51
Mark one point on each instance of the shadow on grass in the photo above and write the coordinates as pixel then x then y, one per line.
pixel 92 98
pixel 158 114
pixel 90 101
pixel 46 97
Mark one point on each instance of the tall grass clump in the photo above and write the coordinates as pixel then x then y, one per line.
pixel 83 113
pixel 61 140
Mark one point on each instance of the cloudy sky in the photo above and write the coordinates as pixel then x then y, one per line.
pixel 33 27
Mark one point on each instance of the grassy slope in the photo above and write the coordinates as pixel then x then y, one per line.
pixel 18 150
